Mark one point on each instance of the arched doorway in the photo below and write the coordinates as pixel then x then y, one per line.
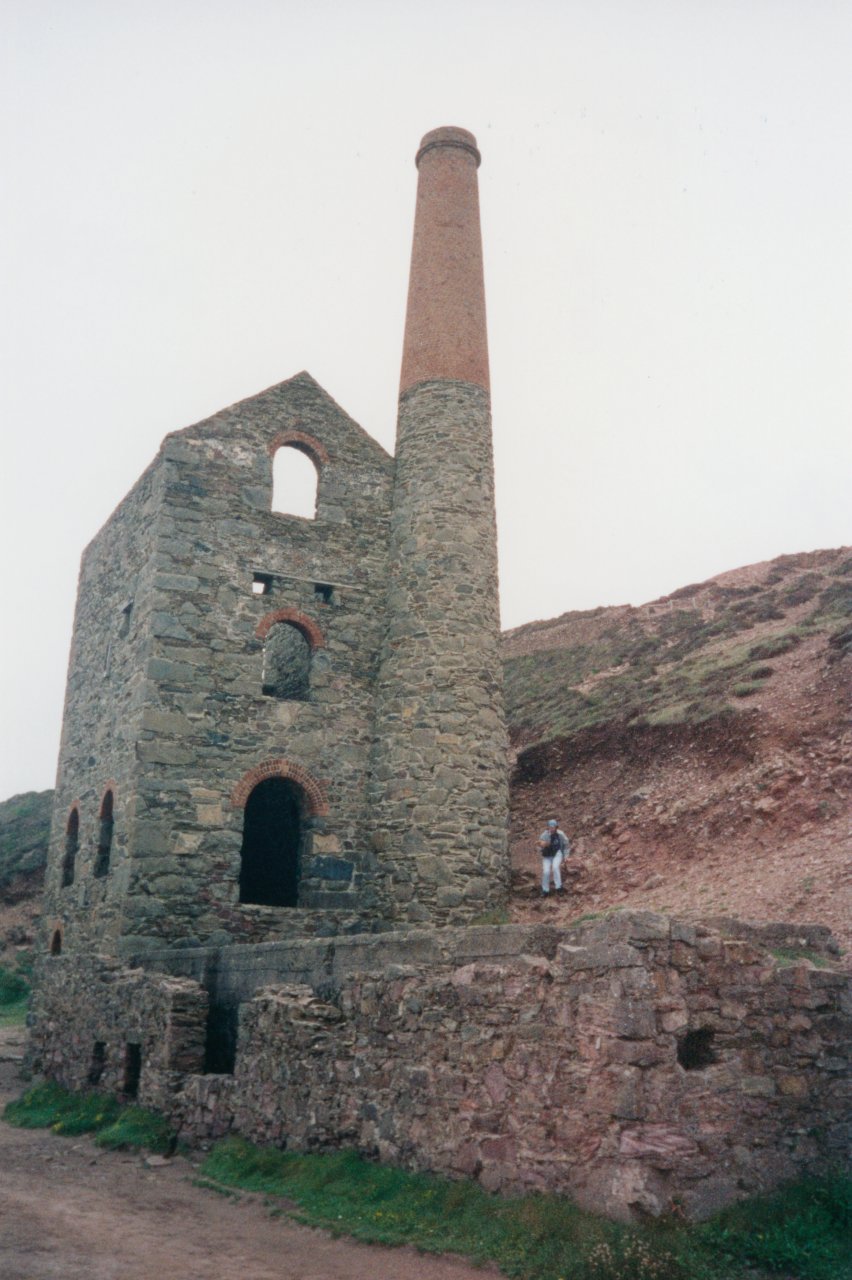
pixel 273 834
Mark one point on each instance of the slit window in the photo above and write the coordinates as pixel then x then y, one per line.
pixel 132 1070
pixel 104 836
pixel 286 664
pixel 294 483
pixel 124 624
pixel 72 845
pixel 56 943
pixel 98 1062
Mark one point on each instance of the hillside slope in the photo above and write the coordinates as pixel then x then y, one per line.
pixel 697 749
pixel 24 833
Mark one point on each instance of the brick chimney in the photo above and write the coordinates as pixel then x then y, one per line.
pixel 440 798
pixel 445 334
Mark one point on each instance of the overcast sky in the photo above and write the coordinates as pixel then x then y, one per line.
pixel 203 197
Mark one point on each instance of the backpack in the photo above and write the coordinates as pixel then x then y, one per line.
pixel 555 844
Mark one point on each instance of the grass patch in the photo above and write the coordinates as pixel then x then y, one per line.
pixel 786 956
pixel 802 1231
pixel 14 996
pixel 49 1106
pixel 747 689
pixel 499 915
pixel 799 1232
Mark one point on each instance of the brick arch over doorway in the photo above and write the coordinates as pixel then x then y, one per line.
pixel 316 801
pixel 297 619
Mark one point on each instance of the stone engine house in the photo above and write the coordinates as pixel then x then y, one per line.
pixel 278 725
pixel 280 822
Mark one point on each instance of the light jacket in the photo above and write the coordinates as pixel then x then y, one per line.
pixel 564 843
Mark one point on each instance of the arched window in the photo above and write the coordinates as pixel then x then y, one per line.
pixel 56 943
pixel 104 836
pixel 294 482
pixel 286 663
pixel 72 844
pixel 273 834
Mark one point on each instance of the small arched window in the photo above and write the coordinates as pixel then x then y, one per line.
pixel 294 482
pixel 72 844
pixel 286 664
pixel 104 836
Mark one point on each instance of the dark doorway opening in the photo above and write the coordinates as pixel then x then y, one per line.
pixel 220 1046
pixel 272 844
pixel 132 1070
pixel 96 1066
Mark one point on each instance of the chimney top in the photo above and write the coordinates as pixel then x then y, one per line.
pixel 449 135
pixel 445 334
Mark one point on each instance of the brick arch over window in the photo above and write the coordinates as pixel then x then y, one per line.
pixel 297 619
pixel 315 797
pixel 109 787
pixel 305 443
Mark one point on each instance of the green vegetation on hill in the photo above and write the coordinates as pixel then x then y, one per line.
pixel 15 991
pixel 24 833
pixel 682 659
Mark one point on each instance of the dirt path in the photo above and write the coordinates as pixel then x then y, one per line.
pixel 69 1211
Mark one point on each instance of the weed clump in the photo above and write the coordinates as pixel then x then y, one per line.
pixel 49 1106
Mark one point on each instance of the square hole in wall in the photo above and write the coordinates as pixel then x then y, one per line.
pixel 323 592
pixel 261 584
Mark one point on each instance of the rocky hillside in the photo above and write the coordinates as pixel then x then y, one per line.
pixel 24 832
pixel 697 749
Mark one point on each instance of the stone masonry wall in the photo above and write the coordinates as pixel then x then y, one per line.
pixel 104 698
pixel 439 774
pixel 208 725
pixel 85 1001
pixel 642 1065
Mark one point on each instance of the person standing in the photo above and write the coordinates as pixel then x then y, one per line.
pixel 554 846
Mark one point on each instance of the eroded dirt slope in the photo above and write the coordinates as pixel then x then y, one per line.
pixel 736 802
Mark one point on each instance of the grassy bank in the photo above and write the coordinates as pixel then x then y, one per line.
pixel 113 1125
pixel 14 995
pixel 800 1233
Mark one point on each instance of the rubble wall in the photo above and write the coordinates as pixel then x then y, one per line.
pixel 644 1066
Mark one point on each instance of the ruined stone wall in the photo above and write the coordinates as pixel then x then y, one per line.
pixel 104 701
pixel 636 1064
pixel 88 1009
pixel 209 732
